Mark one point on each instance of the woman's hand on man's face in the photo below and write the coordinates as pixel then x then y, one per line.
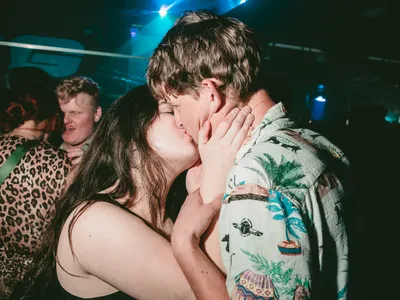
pixel 218 151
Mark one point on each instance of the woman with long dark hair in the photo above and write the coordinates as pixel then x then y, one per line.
pixel 110 236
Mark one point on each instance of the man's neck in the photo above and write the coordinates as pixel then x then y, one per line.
pixel 66 146
pixel 260 103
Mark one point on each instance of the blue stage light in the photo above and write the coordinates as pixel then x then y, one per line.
pixel 134 32
pixel 319 104
pixel 163 11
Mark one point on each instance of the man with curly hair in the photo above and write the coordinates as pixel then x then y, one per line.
pixel 79 100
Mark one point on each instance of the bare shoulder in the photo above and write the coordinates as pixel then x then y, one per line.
pixel 105 217
pixel 119 249
pixel 102 229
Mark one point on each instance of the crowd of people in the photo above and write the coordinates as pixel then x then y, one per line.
pixel 272 210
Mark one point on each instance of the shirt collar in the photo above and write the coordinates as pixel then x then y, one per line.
pixel 274 119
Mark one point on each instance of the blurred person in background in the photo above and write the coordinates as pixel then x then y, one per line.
pixel 32 176
pixel 79 99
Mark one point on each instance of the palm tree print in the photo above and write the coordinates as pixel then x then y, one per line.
pixel 284 209
pixel 301 289
pixel 284 179
pixel 279 277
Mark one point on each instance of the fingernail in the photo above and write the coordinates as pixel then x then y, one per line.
pixel 246 109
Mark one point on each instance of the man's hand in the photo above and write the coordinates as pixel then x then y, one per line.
pixel 75 155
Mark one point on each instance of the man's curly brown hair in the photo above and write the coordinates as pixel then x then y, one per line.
pixel 73 86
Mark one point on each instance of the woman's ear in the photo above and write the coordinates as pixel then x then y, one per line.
pixel 215 95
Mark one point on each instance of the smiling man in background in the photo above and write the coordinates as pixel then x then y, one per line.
pixel 79 100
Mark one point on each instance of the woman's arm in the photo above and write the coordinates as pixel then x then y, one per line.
pixel 217 154
pixel 204 277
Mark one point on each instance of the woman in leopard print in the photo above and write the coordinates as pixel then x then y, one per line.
pixel 28 193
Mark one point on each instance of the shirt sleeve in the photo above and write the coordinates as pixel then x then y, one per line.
pixel 264 243
pixel 275 240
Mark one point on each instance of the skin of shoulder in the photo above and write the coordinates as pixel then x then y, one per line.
pixel 121 251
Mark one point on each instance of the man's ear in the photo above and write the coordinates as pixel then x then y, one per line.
pixel 215 96
pixel 97 114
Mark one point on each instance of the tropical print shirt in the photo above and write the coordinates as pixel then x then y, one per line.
pixel 282 230
pixel 84 147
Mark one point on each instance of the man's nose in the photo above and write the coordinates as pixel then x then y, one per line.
pixel 178 120
pixel 67 119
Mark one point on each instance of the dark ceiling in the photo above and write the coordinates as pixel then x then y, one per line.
pixel 361 27
pixel 353 35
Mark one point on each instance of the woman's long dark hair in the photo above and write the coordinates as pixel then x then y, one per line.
pixel 118 146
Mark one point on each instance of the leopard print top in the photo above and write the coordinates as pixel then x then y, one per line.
pixel 26 197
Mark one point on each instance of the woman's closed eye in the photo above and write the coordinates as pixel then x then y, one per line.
pixel 166 108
